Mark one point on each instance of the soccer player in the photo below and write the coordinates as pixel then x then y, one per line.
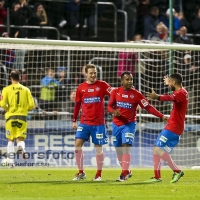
pixel 123 105
pixel 90 98
pixel 16 99
pixel 170 135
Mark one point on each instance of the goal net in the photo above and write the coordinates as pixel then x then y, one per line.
pixel 50 139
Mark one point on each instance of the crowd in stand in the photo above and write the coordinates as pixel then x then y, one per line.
pixel 143 17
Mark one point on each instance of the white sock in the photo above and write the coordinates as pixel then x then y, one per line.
pixel 10 151
pixel 22 144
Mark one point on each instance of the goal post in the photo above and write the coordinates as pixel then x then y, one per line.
pixel 50 129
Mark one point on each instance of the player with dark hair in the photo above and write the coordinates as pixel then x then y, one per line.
pixel 123 105
pixel 90 98
pixel 17 100
pixel 170 135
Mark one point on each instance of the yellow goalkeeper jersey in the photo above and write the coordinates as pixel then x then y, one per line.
pixel 16 99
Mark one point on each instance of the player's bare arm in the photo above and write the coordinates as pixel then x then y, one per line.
pixel 165 118
pixel 74 125
pixel 152 95
pixel 116 113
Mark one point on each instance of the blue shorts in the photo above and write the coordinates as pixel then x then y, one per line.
pixel 123 134
pixel 167 140
pixel 98 133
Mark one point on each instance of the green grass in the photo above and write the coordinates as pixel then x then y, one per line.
pixel 32 184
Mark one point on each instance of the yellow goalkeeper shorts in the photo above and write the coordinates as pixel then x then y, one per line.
pixel 16 128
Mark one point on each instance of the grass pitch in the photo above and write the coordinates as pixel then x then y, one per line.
pixel 57 184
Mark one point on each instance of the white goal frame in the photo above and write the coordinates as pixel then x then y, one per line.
pixel 58 45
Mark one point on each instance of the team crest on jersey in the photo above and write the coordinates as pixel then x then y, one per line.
pixel 124 95
pixel 97 88
pixel 90 90
pixel 131 96
pixel 83 90
pixel 144 102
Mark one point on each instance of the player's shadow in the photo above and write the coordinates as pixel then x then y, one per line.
pixel 136 183
pixel 60 182
pixel 111 182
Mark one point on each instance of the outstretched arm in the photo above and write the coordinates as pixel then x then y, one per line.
pixel 166 97
pixel 152 95
pixel 155 112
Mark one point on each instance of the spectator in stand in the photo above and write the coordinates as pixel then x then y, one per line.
pixel 87 12
pixel 150 22
pixel 47 94
pixel 72 98
pixel 70 105
pixel 176 21
pixel 14 58
pixel 137 38
pixel 196 26
pixel 63 91
pixel 81 77
pixel 143 10
pixel 72 9
pixel 39 19
pixel 161 35
pixel 9 55
pixel 131 9
pixel 182 37
pixel 182 19
pixel 2 14
pixel 189 71
pixel 20 15
pixel 126 62
pixel 41 14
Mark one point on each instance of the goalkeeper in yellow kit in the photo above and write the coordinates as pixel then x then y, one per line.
pixel 17 100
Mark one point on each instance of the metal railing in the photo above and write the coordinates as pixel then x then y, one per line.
pixel 125 23
pixel 115 17
pixel 36 27
pixel 95 18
